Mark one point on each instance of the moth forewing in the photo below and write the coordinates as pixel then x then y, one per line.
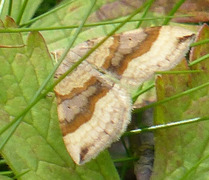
pixel 93 112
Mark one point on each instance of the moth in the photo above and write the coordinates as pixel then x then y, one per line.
pixel 93 109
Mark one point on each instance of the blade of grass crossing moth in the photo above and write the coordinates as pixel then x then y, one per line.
pixel 178 72
pixel 168 125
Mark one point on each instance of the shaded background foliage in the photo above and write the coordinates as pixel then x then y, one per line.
pixel 45 6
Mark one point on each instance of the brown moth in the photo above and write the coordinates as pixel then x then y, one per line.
pixel 93 110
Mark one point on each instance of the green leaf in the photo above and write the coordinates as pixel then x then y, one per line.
pixel 182 152
pixel 37 144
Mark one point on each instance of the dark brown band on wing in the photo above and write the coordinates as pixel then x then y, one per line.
pixel 142 48
pixel 86 113
pixel 113 49
pixel 76 91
